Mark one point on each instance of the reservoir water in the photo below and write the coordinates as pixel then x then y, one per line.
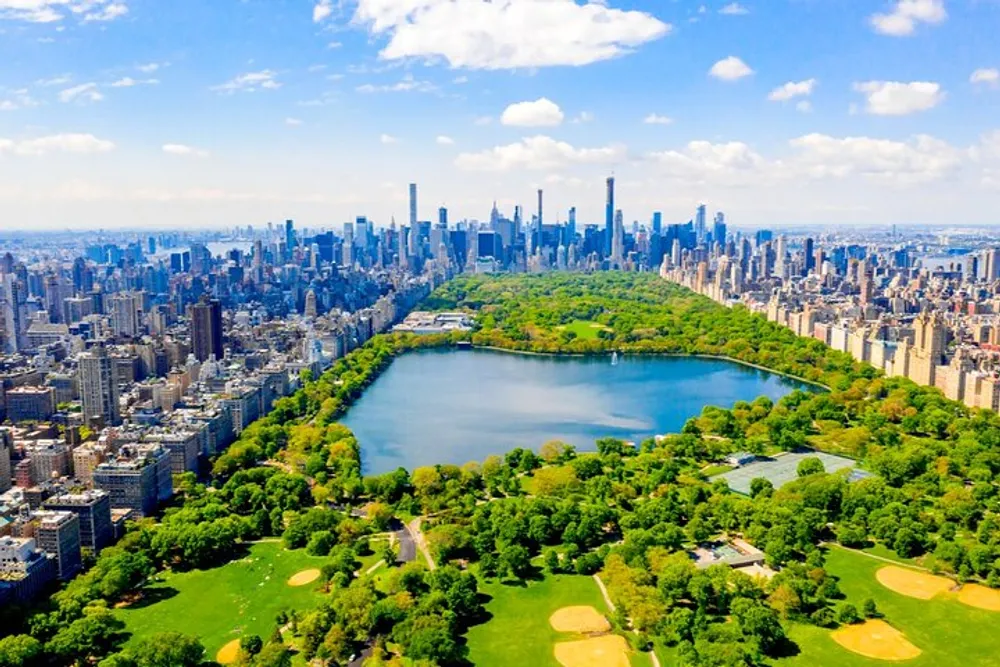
pixel 455 406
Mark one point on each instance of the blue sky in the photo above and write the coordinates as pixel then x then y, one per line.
pixel 150 113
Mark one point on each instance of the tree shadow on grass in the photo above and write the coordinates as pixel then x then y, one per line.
pixel 151 596
pixel 786 648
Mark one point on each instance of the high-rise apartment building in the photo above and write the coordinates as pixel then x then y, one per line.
pixel 139 479
pixel 58 534
pixel 126 314
pixel 98 387
pixel 609 216
pixel 93 509
pixel 206 329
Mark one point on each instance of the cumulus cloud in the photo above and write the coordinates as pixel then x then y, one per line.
pixel 107 12
pixel 293 122
pixel 986 76
pixel 730 69
pixel 729 163
pixel 734 9
pixel 52 11
pixel 506 34
pixel 895 98
pixel 250 82
pixel 906 14
pixel 538 153
pixel 542 112
pixel 85 92
pixel 657 119
pixel 17 99
pixel 184 151
pixel 322 10
pixel 791 90
pixel 56 143
pixel 920 159
pixel 149 68
pixel 388 139
pixel 443 140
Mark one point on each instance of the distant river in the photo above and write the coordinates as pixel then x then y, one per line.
pixel 455 406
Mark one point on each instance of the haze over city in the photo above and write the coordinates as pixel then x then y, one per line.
pixel 150 114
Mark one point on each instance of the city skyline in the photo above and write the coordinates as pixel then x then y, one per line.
pixel 128 114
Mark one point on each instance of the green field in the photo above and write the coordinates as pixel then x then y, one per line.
pixel 218 605
pixel 519 632
pixel 584 329
pixel 949 633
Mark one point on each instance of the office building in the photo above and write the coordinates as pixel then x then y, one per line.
pixel 206 330
pixel 126 315
pixel 5 471
pixel 98 387
pixel 93 509
pixel 30 403
pixel 25 570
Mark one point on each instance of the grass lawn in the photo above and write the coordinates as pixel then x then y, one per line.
pixel 224 603
pixel 716 470
pixel 949 633
pixel 584 329
pixel 519 632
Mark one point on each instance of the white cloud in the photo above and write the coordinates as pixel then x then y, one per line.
pixel 56 143
pixel 442 140
pixel 334 45
pixel 18 99
pixel 538 153
pixel 129 82
pixel 791 90
pixel 583 117
pixel 54 81
pixel 108 12
pixel 919 160
pixel 657 119
pixel 730 69
pixel 506 34
pixel 322 10
pixel 250 82
pixel 894 98
pixel 149 68
pixel 734 9
pixel 293 122
pixel 388 139
pixel 906 14
pixel 804 106
pixel 988 76
pixel 407 84
pixel 183 150
pixel 729 163
pixel 542 112
pixel 86 92
pixel 52 11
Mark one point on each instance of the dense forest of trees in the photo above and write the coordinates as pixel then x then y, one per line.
pixel 628 513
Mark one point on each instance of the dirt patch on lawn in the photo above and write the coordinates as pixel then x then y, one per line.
pixel 227 654
pixel 875 639
pixel 304 578
pixel 980 597
pixel 912 583
pixel 605 651
pixel 584 619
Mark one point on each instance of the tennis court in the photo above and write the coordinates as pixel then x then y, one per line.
pixel 780 469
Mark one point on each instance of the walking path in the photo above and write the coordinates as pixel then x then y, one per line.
pixel 611 605
pixel 418 538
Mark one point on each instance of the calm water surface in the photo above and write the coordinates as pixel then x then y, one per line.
pixel 455 406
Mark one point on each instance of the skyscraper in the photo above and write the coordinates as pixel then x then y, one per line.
pixel 289 237
pixel 810 259
pixel 98 388
pixel 609 216
pixel 618 240
pixel 414 233
pixel 206 329
pixel 719 229
pixel 443 216
pixel 657 222
pixel 699 223
pixel 13 300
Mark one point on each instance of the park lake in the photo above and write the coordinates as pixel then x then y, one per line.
pixel 455 406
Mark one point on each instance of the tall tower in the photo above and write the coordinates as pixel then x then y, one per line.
pixel 206 329
pixel 609 216
pixel 618 242
pixel 98 388
pixel 699 223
